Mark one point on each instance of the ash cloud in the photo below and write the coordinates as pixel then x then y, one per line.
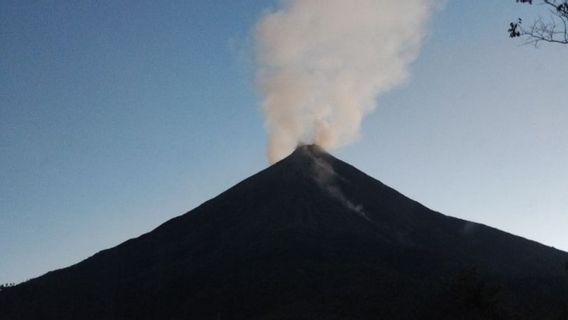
pixel 321 65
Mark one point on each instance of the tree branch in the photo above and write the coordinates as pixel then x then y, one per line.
pixel 555 30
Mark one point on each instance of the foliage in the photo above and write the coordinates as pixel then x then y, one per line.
pixel 553 29
pixel 473 293
pixel 5 286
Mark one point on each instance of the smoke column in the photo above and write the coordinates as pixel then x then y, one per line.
pixel 323 63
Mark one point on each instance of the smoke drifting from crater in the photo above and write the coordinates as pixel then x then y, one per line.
pixel 323 63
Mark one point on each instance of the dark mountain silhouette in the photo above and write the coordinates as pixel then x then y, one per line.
pixel 311 237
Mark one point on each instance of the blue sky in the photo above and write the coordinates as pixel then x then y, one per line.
pixel 117 116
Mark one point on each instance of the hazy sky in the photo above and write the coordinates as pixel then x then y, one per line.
pixel 116 116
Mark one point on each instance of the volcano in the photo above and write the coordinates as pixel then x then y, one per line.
pixel 310 237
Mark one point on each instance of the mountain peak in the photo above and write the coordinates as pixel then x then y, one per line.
pixel 308 148
pixel 309 237
pixel 309 156
pixel 307 152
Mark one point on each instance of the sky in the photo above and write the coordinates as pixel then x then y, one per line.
pixel 117 116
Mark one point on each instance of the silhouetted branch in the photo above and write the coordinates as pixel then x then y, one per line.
pixel 552 30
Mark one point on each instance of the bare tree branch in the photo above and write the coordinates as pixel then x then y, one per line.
pixel 552 30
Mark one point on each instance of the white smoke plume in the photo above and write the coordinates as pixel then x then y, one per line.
pixel 323 63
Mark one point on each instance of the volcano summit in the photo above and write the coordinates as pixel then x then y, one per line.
pixel 310 237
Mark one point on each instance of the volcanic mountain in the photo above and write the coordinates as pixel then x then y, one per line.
pixel 310 237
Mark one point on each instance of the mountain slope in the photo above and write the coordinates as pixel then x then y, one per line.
pixel 311 237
